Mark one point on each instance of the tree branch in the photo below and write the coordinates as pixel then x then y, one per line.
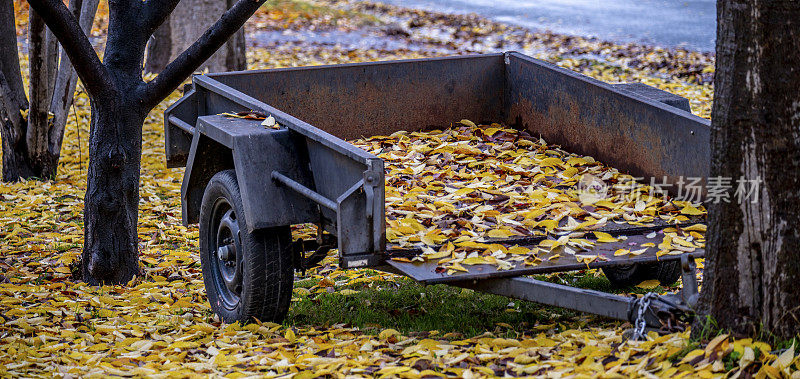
pixel 176 72
pixel 63 24
pixel 155 12
pixel 67 79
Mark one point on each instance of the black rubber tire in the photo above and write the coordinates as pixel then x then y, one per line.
pixel 622 276
pixel 666 273
pixel 262 273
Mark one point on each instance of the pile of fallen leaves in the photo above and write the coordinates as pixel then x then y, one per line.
pixel 469 184
pixel 161 324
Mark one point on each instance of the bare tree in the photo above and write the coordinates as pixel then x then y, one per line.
pixel 184 26
pixel 33 129
pixel 752 275
pixel 120 102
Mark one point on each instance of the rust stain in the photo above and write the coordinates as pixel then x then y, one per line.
pixel 353 102
pixel 627 145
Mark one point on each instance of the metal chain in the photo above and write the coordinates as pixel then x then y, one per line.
pixel 640 324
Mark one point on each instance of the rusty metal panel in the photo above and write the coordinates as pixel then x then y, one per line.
pixel 380 98
pixel 635 134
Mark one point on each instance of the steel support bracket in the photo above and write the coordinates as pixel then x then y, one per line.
pixel 689 289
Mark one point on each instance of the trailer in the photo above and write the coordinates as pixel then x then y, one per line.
pixel 246 184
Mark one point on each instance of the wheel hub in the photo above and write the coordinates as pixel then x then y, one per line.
pixel 227 254
pixel 228 265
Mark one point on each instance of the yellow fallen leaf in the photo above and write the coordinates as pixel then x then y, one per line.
pixel 649 284
pixel 490 131
pixel 605 237
pixel 442 253
pixel 550 225
pixel 714 343
pixel 289 335
pixel 387 334
pixel 458 267
pixel 696 228
pixel 468 123
pixel 785 359
pixel 552 161
pixel 475 261
pixel 748 357
pixel 499 233
pixel 692 211
pixel 692 355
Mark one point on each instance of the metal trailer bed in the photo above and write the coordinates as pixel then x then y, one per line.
pixel 305 172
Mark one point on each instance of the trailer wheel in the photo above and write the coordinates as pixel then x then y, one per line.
pixel 666 272
pixel 622 275
pixel 247 275
pixel 630 275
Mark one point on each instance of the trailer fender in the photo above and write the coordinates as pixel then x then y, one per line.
pixel 206 158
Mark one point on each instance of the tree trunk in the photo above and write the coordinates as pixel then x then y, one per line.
pixel 110 253
pixel 184 26
pixel 43 62
pixel 32 144
pixel 12 101
pixel 753 261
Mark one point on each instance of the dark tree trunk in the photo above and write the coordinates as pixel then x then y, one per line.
pixel 159 49
pixel 16 164
pixel 110 253
pixel 12 100
pixel 32 144
pixel 752 272
pixel 236 49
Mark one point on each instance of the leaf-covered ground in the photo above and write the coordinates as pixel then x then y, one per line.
pixel 360 322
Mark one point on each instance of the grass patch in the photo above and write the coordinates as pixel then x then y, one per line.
pixel 409 306
pixel 677 357
pixel 589 280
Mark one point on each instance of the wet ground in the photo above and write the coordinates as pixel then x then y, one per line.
pixel 669 23
pixel 429 33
